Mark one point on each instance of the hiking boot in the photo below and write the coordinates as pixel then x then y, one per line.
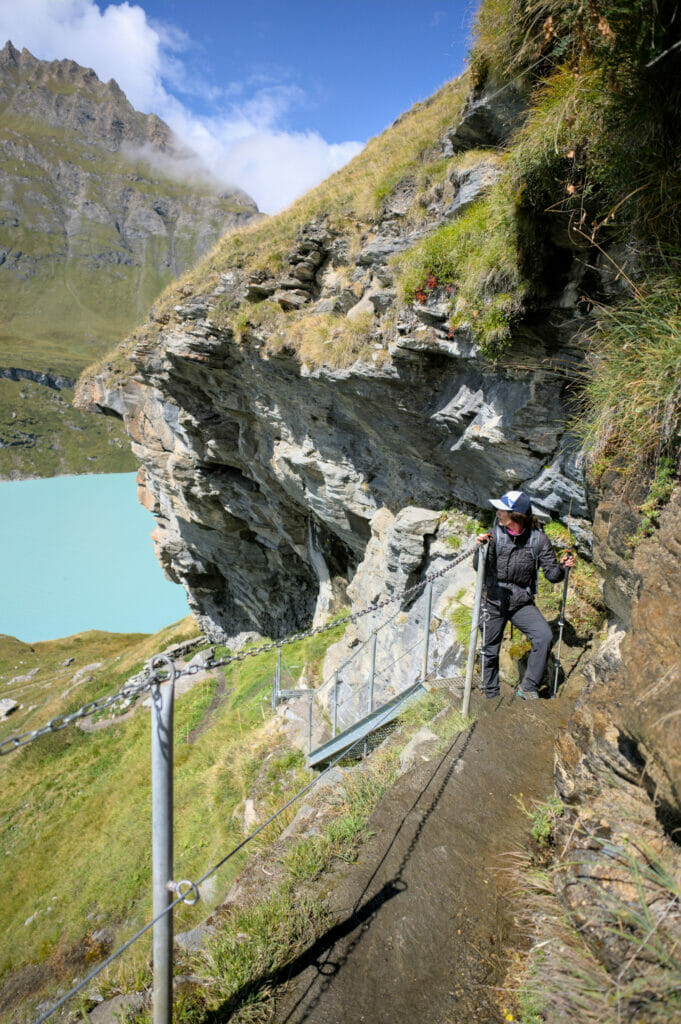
pixel 527 694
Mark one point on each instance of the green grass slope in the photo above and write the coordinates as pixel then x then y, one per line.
pixel 43 435
pixel 75 827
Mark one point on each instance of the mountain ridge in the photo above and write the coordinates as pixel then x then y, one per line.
pixel 101 206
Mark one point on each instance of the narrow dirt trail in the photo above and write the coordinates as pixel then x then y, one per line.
pixel 422 920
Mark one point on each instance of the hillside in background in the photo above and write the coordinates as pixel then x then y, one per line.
pixel 100 208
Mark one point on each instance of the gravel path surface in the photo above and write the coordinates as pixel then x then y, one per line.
pixel 423 922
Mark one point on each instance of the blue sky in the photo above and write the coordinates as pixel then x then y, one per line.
pixel 273 94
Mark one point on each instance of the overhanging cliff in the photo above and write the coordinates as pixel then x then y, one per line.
pixel 416 332
pixel 275 413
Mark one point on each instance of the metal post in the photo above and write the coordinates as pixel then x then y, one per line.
pixel 472 644
pixel 561 623
pixel 484 637
pixel 372 676
pixel 426 639
pixel 162 699
pixel 276 686
pixel 335 703
pixel 309 724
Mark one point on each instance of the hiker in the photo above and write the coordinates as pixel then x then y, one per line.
pixel 517 547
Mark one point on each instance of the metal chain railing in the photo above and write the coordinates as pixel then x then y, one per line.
pixel 161 670
pixel 62 721
pixel 190 895
pixel 12 743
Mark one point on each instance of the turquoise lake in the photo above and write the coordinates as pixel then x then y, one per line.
pixel 77 554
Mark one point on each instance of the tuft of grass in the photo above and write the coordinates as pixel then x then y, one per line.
pixel 325 339
pixel 631 406
pixel 341 838
pixel 659 493
pixel 461 618
pixel 241 961
pixel 639 906
pixel 584 608
pixel 603 116
pixel 512 37
pixel 475 260
pixel 543 816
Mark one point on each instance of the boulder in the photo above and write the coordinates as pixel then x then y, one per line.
pixel 488 119
pixel 7 706
pixel 291 298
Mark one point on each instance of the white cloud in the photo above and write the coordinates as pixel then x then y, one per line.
pixel 270 165
pixel 245 145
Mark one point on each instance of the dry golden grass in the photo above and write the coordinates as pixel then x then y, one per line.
pixel 349 201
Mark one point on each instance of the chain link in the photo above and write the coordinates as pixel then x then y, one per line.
pixel 152 675
pixel 346 620
pixel 62 721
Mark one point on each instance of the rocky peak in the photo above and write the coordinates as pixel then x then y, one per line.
pixel 65 95
pixel 116 209
pixel 9 55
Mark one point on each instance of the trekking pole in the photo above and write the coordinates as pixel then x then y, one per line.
pixel 561 623
pixel 479 582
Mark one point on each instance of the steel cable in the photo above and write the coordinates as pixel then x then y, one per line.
pixel 7 746
pixel 211 871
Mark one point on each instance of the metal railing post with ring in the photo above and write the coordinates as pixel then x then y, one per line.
pixel 162 701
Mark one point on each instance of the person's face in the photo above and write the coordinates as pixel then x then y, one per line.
pixel 503 517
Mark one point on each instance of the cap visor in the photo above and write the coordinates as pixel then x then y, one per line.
pixel 498 504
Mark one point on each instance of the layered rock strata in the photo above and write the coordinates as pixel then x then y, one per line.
pixel 618 766
pixel 258 470
pixel 265 472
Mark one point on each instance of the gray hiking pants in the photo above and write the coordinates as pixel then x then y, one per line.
pixel 530 621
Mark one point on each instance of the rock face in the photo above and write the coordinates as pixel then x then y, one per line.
pixel 404 550
pixel 493 113
pixel 265 473
pixel 618 764
pixel 100 208
pixel 258 471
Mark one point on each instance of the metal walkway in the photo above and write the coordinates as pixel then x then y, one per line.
pixel 387 712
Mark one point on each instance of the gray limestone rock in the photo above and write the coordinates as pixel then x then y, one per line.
pixel 196 939
pixel 26 678
pixel 403 550
pixel 7 706
pixel 488 119
pixel 111 1011
pixel 420 747
pixel 470 183
pixel 202 659
pixel 291 298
